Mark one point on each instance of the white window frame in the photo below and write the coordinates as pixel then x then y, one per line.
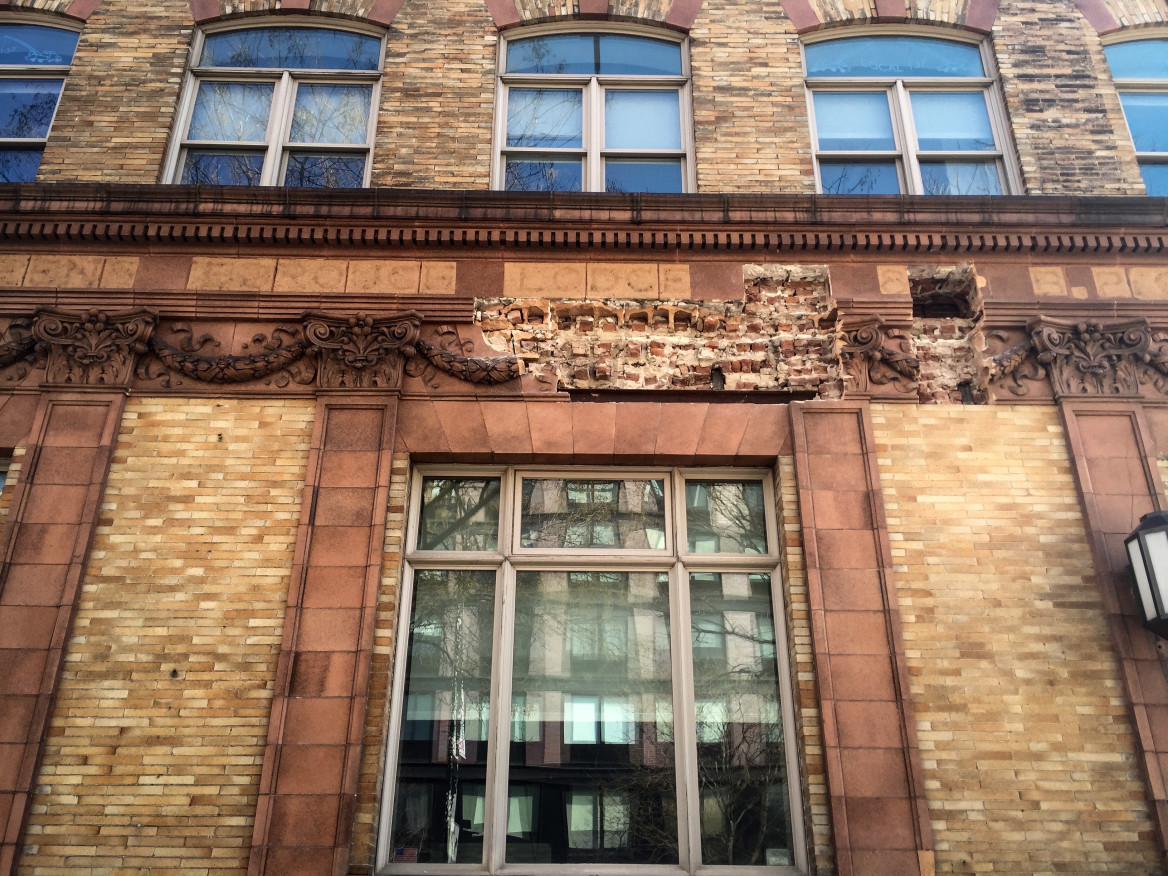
pixel 54 72
pixel 675 560
pixel 592 151
pixel 285 82
pixel 1124 85
pixel 906 155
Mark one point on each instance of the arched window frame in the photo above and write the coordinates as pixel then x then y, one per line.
pixel 906 154
pixel 277 145
pixel 1153 163
pixel 593 152
pixel 44 72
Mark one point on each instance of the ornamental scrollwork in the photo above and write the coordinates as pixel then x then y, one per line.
pixel 94 348
pixel 1012 365
pixel 868 360
pixel 97 348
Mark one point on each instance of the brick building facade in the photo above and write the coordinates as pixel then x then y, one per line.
pixel 231 415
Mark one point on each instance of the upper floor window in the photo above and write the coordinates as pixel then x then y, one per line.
pixel 905 115
pixel 34 60
pixel 592 671
pixel 289 105
pixel 594 112
pixel 1140 69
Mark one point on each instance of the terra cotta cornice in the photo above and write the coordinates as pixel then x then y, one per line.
pixel 482 220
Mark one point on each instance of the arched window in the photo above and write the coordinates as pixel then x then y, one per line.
pixel 289 105
pixel 594 112
pixel 34 60
pixel 905 115
pixel 1140 70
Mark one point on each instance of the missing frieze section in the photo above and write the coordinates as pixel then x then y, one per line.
pixel 947 310
pixel 778 336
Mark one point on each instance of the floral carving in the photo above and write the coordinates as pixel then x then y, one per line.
pixel 95 348
pixel 869 361
pixel 16 343
pixel 1085 358
pixel 362 352
pixel 447 352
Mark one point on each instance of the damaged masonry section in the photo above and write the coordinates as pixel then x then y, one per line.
pixel 786 333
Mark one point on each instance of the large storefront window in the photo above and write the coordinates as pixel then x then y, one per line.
pixel 593 672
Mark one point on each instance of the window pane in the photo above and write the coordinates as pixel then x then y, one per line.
pixel 236 111
pixel 439 803
pixel 725 517
pixel 853 120
pixel 331 114
pixel 215 168
pixel 638 56
pixel 961 178
pixel 459 514
pixel 592 775
pixel 589 54
pixel 593 514
pixel 742 770
pixel 547 118
pixel 35 44
pixel 293 48
pixel 542 175
pixel 555 53
pixel 955 120
pixel 1147 119
pixel 893 57
pixel 27 106
pixel 1141 59
pixel 642 120
pixel 325 171
pixel 1155 178
pixel 19 165
pixel 859 178
pixel 643 175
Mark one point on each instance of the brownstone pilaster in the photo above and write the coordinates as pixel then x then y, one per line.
pixel 308 789
pixel 874 773
pixel 43 550
pixel 1114 460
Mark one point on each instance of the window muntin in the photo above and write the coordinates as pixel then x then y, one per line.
pixel 553 707
pixel 1140 70
pixel 594 112
pixel 902 114
pixel 34 60
pixel 287 105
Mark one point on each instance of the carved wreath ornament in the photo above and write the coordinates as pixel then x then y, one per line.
pixel 96 348
pixel 1113 359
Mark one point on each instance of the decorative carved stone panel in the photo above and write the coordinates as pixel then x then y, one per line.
pixel 873 356
pixel 94 348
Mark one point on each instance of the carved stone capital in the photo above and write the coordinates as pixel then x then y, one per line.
pixel 869 360
pixel 1092 358
pixel 362 352
pixel 94 348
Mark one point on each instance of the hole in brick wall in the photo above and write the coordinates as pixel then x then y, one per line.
pixel 944 292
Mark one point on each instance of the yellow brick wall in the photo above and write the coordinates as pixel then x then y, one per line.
pixel 10 484
pixel 1028 750
pixel 809 721
pixel 153 756
pixel 370 786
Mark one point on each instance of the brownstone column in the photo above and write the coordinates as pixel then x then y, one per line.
pixel 1115 467
pixel 43 550
pixel 308 789
pixel 879 815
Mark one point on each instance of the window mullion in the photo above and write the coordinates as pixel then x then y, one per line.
pixel 908 132
pixel 279 125
pixel 498 769
pixel 594 135
pixel 684 732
